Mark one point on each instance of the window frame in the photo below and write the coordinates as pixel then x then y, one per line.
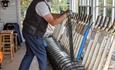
pixel 96 8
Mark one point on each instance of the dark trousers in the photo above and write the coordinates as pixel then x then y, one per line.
pixel 34 47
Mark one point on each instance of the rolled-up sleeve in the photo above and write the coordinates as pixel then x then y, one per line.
pixel 42 9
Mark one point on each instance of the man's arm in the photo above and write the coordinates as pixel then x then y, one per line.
pixel 54 21
pixel 55 15
pixel 43 10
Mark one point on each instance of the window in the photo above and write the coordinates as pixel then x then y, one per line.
pixel 85 6
pixel 99 7
pixel 57 5
pixel 105 8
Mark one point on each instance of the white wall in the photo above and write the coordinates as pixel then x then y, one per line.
pixel 11 13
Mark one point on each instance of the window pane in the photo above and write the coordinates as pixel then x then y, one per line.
pixel 55 9
pixel 100 3
pixel 57 5
pixel 54 2
pixel 109 12
pixel 100 12
pixel 109 2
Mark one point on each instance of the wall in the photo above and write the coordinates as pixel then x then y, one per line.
pixel 11 13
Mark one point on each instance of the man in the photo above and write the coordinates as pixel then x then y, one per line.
pixel 34 26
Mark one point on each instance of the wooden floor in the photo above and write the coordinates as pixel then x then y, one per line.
pixel 14 65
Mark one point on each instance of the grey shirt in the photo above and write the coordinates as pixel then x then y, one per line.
pixel 42 9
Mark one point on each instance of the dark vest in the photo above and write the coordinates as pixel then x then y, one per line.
pixel 33 23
